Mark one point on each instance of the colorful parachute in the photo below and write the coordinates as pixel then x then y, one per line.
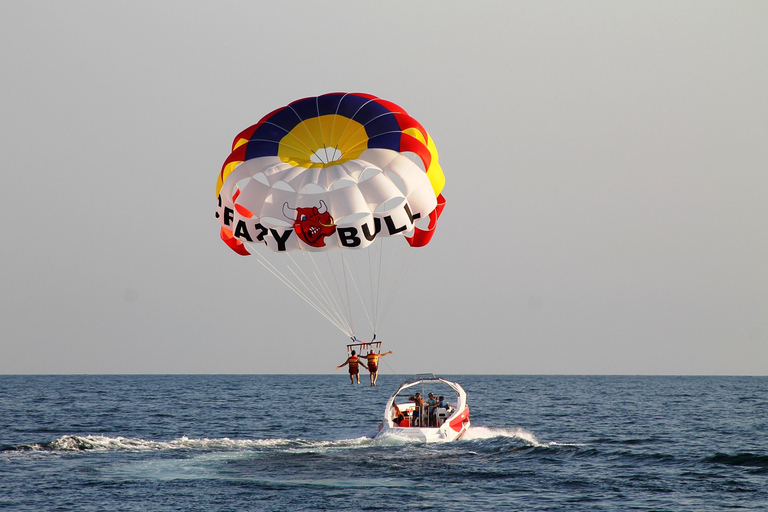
pixel 334 173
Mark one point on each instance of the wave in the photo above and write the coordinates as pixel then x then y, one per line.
pixel 740 459
pixel 74 443
pixel 518 433
pixel 103 443
pixel 475 433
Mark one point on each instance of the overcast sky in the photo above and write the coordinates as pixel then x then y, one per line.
pixel 606 167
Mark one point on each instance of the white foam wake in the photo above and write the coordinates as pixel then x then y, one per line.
pixel 517 433
pixel 104 443
pixel 488 433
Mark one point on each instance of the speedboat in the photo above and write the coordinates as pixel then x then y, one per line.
pixel 429 424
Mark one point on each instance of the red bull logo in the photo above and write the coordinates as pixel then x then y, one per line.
pixel 311 224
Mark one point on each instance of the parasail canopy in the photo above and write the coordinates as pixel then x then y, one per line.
pixel 330 174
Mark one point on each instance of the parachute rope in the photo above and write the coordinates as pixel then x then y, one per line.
pixel 374 280
pixel 402 269
pixel 304 284
pixel 326 290
pixel 292 286
pixel 298 292
pixel 357 289
pixel 336 279
pixel 320 286
pixel 339 324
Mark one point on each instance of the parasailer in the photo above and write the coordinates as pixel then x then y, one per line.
pixel 353 361
pixel 373 364
pixel 318 189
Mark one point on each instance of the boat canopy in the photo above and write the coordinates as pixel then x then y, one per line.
pixel 424 378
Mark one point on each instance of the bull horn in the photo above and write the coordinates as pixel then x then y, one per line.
pixel 293 216
pixel 323 206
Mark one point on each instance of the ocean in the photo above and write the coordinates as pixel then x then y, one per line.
pixel 305 442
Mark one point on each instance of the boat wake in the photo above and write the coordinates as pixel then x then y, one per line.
pixel 475 433
pixel 71 443
pixel 99 443
pixel 517 434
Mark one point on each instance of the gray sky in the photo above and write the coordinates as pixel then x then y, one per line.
pixel 606 176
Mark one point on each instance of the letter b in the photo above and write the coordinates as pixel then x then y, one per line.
pixel 348 237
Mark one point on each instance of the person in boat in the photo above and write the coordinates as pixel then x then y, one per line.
pixel 431 410
pixel 373 364
pixel 353 363
pixel 441 404
pixel 416 399
pixel 397 416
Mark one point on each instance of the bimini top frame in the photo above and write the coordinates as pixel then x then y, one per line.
pixel 428 377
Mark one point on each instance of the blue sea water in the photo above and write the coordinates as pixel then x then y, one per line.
pixel 305 442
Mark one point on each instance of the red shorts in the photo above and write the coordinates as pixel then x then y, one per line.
pixel 353 371
pixel 372 368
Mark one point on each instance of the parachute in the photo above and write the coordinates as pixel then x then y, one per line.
pixel 322 190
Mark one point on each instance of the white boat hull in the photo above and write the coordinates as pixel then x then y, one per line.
pixel 443 434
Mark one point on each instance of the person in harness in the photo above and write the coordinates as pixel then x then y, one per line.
pixel 353 363
pixel 373 364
